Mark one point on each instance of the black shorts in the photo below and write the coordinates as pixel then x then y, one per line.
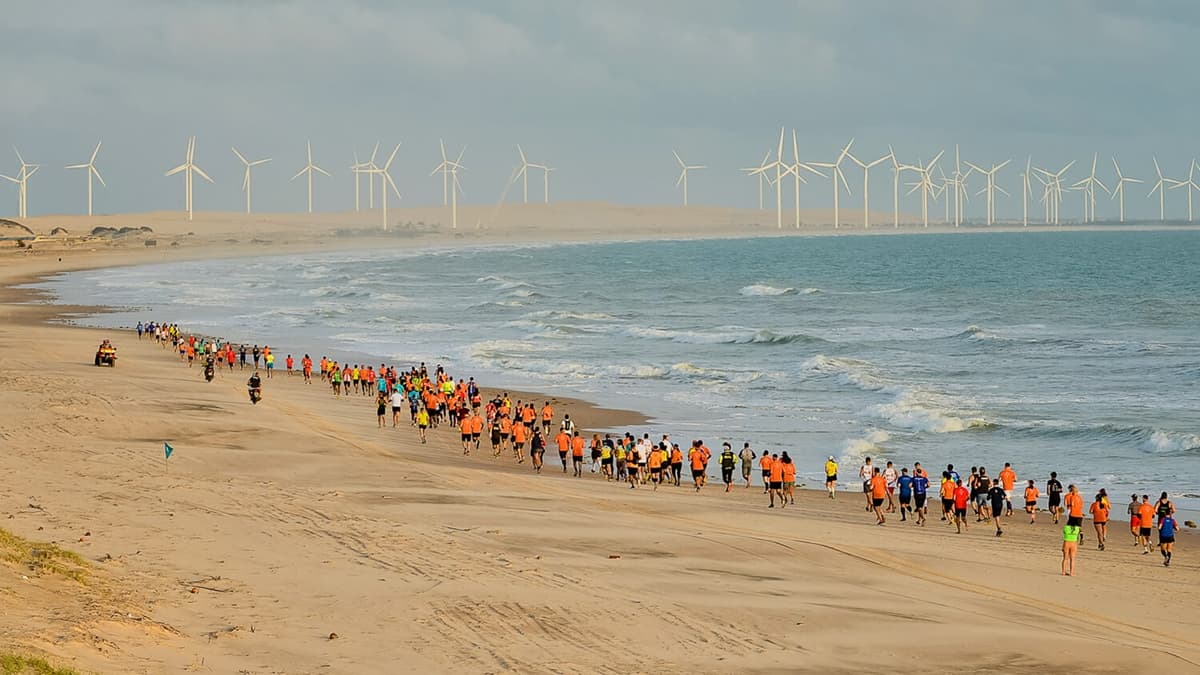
pixel 495 439
pixel 877 501
pixel 562 454
pixel 1145 531
pixel 475 436
pixel 831 479
pixel 1166 540
pixel 1075 521
pixel 577 458
pixel 396 410
pixel 867 487
pixel 919 501
pixel 766 473
pixel 776 485
pixel 1053 501
pixel 960 513
pixel 606 461
pixel 947 505
pixel 466 437
pixel 423 426
pixel 696 473
pixel 905 498
pixel 504 437
pixel 1031 505
pixel 656 471
pixel 727 475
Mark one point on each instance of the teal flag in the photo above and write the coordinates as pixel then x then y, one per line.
pixel 167 449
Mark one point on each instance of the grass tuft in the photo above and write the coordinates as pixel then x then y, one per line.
pixel 16 664
pixel 41 558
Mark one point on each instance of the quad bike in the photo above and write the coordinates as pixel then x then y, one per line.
pixel 106 354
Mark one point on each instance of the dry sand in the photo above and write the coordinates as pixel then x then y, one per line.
pixel 281 524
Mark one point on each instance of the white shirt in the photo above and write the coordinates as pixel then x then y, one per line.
pixel 866 471
pixel 889 474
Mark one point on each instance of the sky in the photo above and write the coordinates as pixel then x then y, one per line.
pixel 602 91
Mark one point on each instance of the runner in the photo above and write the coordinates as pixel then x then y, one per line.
pixel 547 417
pixel 606 457
pixel 595 446
pixel 890 475
pixel 1145 523
pixel 764 463
pixel 464 431
pixel 1135 522
pixel 879 493
pixel 1164 507
pixel 946 492
pixel 747 456
pixel 831 467
pixel 655 462
pixel 961 496
pixel 920 484
pixel 865 473
pixel 676 464
pixel 1099 511
pixel 1166 538
pixel 904 485
pixel 381 405
pixel 477 425
pixel 775 482
pixel 1031 497
pixel 537 449
pixel 1008 478
pixel 577 446
pixel 422 423
pixel 1069 548
pixel 1054 496
pixel 789 478
pixel 1074 505
pixel 996 495
pixel 697 460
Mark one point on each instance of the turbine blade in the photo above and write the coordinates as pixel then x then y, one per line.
pixel 96 172
pixel 201 172
pixel 95 152
pixel 239 156
pixel 176 170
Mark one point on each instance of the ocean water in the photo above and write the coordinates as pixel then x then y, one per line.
pixel 1076 352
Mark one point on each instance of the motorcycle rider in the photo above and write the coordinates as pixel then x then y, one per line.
pixel 254 384
pixel 209 369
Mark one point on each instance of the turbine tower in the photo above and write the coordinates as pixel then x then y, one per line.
pixel 1190 184
pixel 925 185
pixel 779 166
pixel 760 172
pixel 444 168
pixel 866 167
pixel 1160 188
pixel 450 169
pixel 683 174
pixel 386 179
pixel 897 167
pixel 523 174
pixel 22 182
pixel 359 168
pixel 1118 191
pixel 246 180
pixel 836 169
pixel 189 169
pixel 1089 184
pixel 990 188
pixel 1053 192
pixel 309 168
pixel 545 180
pixel 92 171
pixel 794 169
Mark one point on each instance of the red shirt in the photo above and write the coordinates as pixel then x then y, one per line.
pixel 961 495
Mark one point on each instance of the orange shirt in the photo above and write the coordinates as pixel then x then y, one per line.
pixel 1008 478
pixel 528 415
pixel 519 433
pixel 1146 513
pixel 789 472
pixel 676 456
pixel 947 489
pixel 878 486
pixel 655 460
pixel 765 462
pixel 697 458
pixel 477 424
pixel 506 425
pixel 1031 494
pixel 1074 504
pixel 547 413
pixel 577 445
pixel 1099 512
pixel 776 472
pixel 563 440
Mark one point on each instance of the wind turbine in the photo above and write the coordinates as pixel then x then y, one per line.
pixel 91 171
pixel 309 168
pixel 22 180
pixel 386 179
pixel 1090 184
pixel 866 167
pixel 1053 193
pixel 1119 189
pixel 897 167
pixel 545 181
pixel 794 169
pixel 836 170
pixel 779 166
pixel 523 174
pixel 990 188
pixel 761 173
pixel 1160 188
pixel 189 168
pixel 444 167
pixel 368 167
pixel 683 173
pixel 450 168
pixel 925 185
pixel 246 180
pixel 1190 183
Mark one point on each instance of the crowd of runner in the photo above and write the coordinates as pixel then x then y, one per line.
pixel 425 400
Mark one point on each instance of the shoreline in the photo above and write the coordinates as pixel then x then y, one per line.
pixel 279 526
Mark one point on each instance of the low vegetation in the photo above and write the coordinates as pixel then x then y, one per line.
pixel 41 559
pixel 16 664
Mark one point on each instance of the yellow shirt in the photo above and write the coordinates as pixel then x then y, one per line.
pixel 830 468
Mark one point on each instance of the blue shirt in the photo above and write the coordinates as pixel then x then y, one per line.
pixel 905 483
pixel 920 485
pixel 1167 527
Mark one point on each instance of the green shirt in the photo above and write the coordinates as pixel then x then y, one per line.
pixel 1071 533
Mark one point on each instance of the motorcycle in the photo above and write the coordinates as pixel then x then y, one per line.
pixel 209 372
